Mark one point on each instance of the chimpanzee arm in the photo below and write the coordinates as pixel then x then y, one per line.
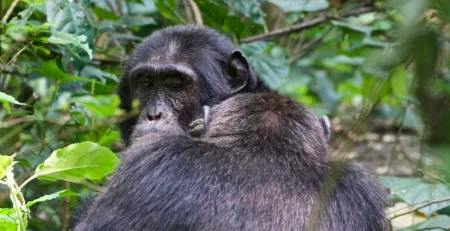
pixel 350 199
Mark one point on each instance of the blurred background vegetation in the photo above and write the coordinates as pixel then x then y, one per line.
pixel 379 69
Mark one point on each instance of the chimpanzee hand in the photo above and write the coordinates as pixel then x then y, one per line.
pixel 198 126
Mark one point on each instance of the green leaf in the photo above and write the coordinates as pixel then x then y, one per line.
pixel 273 70
pixel 399 81
pixel 8 220
pixel 109 138
pixel 136 20
pixel 6 99
pixel 415 192
pixel 437 223
pixel 367 30
pixel 90 71
pixel 70 25
pixel 249 8
pixel 167 8
pixel 62 193
pixel 51 70
pixel 326 89
pixel 62 38
pixel 77 162
pixel 105 14
pixel 5 162
pixel 101 105
pixel 374 87
pixel 301 5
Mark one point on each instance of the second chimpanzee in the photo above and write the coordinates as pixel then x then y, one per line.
pixel 261 165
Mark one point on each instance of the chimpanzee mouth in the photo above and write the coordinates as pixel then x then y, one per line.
pixel 147 128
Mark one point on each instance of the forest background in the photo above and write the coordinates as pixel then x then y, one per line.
pixel 378 69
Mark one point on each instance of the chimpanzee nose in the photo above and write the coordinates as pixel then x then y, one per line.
pixel 153 115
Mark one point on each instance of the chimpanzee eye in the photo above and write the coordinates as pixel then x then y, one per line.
pixel 145 83
pixel 175 86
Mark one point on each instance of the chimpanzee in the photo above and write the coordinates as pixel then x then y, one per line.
pixel 261 164
pixel 175 72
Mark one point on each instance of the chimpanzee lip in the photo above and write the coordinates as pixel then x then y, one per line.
pixel 158 127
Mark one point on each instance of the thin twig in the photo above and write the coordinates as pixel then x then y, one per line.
pixel 10 10
pixel 197 15
pixel 433 228
pixel 422 206
pixel 15 57
pixel 305 25
pixel 310 46
pixel 93 186
pixel 187 8
pixel 65 216
pixel 13 73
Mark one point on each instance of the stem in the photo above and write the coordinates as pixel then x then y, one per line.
pixel 27 181
pixel 197 15
pixel 419 207
pixel 10 10
pixel 15 57
pixel 304 25
pixel 18 203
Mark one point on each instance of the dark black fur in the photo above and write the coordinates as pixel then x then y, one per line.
pixel 261 165
pixel 216 74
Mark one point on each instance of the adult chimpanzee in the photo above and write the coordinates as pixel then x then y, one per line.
pixel 175 72
pixel 262 164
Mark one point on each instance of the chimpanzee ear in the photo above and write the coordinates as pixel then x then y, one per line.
pixel 239 71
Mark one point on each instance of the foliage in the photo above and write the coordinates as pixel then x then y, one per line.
pixel 60 62
pixel 74 163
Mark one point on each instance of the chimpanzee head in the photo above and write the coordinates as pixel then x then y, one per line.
pixel 176 71
pixel 256 120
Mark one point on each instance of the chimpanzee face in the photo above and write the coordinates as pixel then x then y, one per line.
pixel 168 95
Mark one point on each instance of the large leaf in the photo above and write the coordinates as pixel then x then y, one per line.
pixel 70 25
pixel 8 220
pixel 61 38
pixel 301 5
pixel 59 194
pixel 6 99
pixel 51 70
pixel 437 223
pixel 416 193
pixel 77 162
pixel 399 81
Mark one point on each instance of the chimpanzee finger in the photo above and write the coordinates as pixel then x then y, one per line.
pixel 198 130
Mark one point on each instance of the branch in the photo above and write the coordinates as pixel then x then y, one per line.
pixel 197 16
pixel 187 8
pixel 13 59
pixel 419 207
pixel 305 25
pixel 10 10
pixel 93 186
